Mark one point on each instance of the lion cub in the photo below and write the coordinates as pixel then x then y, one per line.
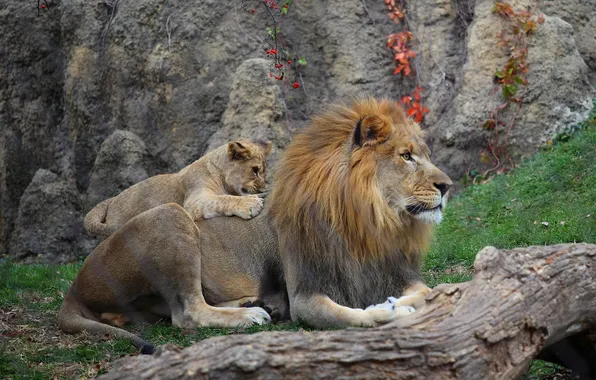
pixel 217 184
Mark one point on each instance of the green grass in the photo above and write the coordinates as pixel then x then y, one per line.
pixel 47 281
pixel 30 344
pixel 32 347
pixel 557 185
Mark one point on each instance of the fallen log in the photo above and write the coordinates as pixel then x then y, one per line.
pixel 519 302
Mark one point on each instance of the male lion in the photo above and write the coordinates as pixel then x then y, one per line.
pixel 216 184
pixel 349 217
pixel 353 202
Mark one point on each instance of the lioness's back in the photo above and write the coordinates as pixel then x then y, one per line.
pixel 143 196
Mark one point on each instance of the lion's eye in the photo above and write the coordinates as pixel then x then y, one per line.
pixel 255 169
pixel 407 156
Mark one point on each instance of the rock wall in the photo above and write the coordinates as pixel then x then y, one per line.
pixel 99 95
pixel 458 60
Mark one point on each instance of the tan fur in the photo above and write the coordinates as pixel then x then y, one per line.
pixel 414 295
pixel 346 180
pixel 237 303
pixel 217 184
pixel 151 269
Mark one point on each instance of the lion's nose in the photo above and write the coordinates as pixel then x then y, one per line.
pixel 443 187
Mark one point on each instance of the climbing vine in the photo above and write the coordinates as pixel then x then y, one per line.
pixel 44 5
pixel 277 51
pixel 510 80
pixel 398 43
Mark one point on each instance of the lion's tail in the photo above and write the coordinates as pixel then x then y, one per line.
pixel 71 320
pixel 95 220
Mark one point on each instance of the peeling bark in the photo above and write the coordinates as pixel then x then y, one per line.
pixel 519 302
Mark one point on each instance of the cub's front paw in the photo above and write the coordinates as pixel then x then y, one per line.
pixel 250 206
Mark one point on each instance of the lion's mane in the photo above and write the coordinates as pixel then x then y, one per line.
pixel 330 214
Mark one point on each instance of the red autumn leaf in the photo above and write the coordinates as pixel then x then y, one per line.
pixel 398 69
pixel 407 70
pixel 416 94
pixel 406 99
pixel 412 111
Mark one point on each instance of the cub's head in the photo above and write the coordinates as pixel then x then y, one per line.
pixel 245 171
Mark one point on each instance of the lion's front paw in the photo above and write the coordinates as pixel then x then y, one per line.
pixel 250 206
pixel 402 311
pixel 386 312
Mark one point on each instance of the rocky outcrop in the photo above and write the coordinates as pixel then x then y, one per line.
pixel 120 164
pixel 581 15
pixel 256 110
pixel 459 72
pixel 183 76
pixel 48 227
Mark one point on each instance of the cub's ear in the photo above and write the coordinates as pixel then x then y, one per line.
pixel 265 147
pixel 371 130
pixel 237 151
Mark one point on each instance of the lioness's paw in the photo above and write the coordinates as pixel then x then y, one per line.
pixel 255 316
pixel 250 206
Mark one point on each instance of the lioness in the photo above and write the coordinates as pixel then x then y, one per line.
pixel 350 215
pixel 216 184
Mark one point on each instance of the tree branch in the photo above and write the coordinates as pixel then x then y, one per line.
pixel 519 302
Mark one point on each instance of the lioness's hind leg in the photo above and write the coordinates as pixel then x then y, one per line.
pixel 174 266
pixel 195 312
pixel 237 303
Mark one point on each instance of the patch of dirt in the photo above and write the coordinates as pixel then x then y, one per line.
pixel 28 335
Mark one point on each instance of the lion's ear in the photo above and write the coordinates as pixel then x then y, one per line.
pixel 265 147
pixel 237 151
pixel 371 130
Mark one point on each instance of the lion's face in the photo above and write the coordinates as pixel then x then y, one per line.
pixel 406 177
pixel 245 172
